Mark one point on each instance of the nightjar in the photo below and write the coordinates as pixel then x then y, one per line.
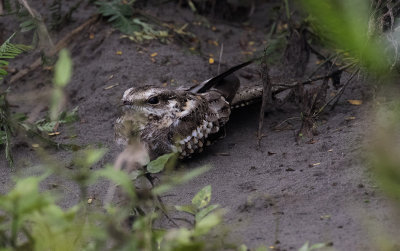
pixel 180 120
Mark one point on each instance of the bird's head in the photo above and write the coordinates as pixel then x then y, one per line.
pixel 150 101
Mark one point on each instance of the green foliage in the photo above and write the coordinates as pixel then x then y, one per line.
pixel 62 75
pixel 180 179
pixel 202 198
pixel 31 219
pixel 199 209
pixel 206 219
pixel 385 150
pixel 10 124
pixel 345 24
pixel 119 14
pixel 161 162
pixel 47 125
pixel 62 69
pixel 119 178
pixel 122 16
pixel 307 247
pixel 9 51
pixel 6 128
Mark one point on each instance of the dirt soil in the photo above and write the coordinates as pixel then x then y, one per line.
pixel 280 194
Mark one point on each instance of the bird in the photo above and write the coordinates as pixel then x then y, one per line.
pixel 182 120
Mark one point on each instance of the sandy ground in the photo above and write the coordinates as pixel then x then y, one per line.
pixel 281 194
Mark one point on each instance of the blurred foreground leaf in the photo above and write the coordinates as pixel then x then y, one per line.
pixel 346 24
pixel 157 165
pixel 202 198
pixel 62 75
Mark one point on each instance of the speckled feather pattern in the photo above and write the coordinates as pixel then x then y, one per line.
pixel 181 122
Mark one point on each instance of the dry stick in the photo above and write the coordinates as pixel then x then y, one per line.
pixel 340 92
pixel 285 121
pixel 161 205
pixel 220 56
pixel 266 96
pixel 327 60
pixel 309 81
pixel 45 42
pixel 61 44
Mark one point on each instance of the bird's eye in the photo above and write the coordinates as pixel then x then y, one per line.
pixel 153 100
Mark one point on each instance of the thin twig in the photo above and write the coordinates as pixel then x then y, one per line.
pixel 220 57
pixel 285 121
pixel 340 92
pixel 159 200
pixel 326 60
pixel 309 81
pixel 266 96
pixel 45 42
pixel 61 44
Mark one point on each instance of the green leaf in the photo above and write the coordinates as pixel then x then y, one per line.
pixel 119 178
pixel 90 157
pixel 180 179
pixel 347 25
pixel 3 63
pixel 47 127
pixel 306 246
pixel 118 14
pixel 318 246
pixel 187 209
pixel 243 248
pixel 9 51
pixel 159 164
pixel 63 69
pixel 56 103
pixel 204 212
pixel 202 198
pixel 69 117
pixel 262 248
pixel 206 224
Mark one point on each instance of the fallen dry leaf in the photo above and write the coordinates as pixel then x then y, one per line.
pixel 350 118
pixel 91 35
pixel 111 86
pixel 119 53
pixel 35 145
pixel 53 133
pixel 223 154
pixel 312 141
pixel 154 54
pixel 213 42
pixel 355 101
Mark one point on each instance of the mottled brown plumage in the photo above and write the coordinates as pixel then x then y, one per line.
pixel 182 120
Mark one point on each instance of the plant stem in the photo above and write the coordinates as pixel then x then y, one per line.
pixel 287 9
